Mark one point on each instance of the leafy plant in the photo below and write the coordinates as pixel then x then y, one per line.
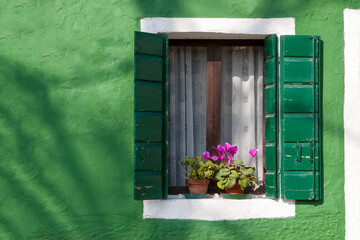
pixel 231 171
pixel 198 168
pixel 236 171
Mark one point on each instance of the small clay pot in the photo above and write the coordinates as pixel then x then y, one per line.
pixel 198 186
pixel 236 189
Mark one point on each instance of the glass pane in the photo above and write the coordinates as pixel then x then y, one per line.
pixel 242 102
pixel 187 107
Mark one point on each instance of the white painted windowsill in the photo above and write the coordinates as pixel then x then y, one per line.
pixel 217 209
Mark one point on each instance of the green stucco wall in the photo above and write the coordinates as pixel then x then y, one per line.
pixel 66 120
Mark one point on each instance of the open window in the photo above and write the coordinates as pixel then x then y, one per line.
pixel 292 114
pixel 215 92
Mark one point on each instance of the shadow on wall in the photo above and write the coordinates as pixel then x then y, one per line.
pixel 61 173
pixel 233 9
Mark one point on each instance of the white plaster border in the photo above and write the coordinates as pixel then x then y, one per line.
pixel 351 122
pixel 227 28
pixel 218 209
pixel 218 28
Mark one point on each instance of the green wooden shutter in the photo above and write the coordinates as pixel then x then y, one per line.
pixel 271 115
pixel 150 116
pixel 300 108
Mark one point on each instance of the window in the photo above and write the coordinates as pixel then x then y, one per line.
pixel 215 96
pixel 292 103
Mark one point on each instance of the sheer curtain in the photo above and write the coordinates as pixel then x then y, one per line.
pixel 187 107
pixel 242 102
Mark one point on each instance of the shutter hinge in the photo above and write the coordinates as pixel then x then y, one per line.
pixel 278 60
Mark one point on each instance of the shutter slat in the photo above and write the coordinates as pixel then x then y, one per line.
pixel 148 96
pixel 300 185
pixel 148 68
pixel 298 70
pixel 300 117
pixel 148 126
pixel 150 116
pixel 148 185
pixel 147 155
pixel 149 44
pixel 297 157
pixel 271 115
pixel 298 98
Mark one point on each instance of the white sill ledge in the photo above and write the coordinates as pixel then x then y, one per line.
pixel 217 209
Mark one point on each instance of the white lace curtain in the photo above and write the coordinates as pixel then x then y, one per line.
pixel 241 104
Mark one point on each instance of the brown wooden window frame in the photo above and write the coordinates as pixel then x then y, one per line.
pixel 213 96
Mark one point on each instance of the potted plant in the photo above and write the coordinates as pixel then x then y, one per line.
pixel 233 175
pixel 198 172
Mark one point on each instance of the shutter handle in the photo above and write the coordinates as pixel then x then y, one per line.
pixel 312 146
pixel 312 150
pixel 298 153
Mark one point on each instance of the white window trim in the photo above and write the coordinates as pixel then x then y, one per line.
pixel 218 28
pixel 351 122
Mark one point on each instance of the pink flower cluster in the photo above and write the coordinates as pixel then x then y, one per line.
pixel 227 151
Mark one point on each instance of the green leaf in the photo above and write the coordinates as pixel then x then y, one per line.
pixel 234 174
pixel 220 185
pixel 224 172
pixel 238 162
pixel 243 183
pixel 248 171
pixel 230 183
pixel 219 177
pixel 256 186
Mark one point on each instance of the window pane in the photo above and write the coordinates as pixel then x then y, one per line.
pixel 242 102
pixel 187 107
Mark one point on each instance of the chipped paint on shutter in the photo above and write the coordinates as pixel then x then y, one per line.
pixel 150 116
pixel 300 117
pixel 271 116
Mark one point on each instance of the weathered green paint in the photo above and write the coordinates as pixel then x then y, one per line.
pixel 271 116
pixel 66 115
pixel 270 98
pixel 300 185
pixel 150 116
pixel 299 117
pixel 148 185
pixel 148 126
pixel 298 98
pixel 297 156
pixel 147 155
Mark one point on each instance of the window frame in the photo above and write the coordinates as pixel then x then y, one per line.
pixel 213 96
pixel 223 28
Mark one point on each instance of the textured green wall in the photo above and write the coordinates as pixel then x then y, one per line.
pixel 66 120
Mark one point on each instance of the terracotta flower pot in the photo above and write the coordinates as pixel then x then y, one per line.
pixel 236 189
pixel 198 186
